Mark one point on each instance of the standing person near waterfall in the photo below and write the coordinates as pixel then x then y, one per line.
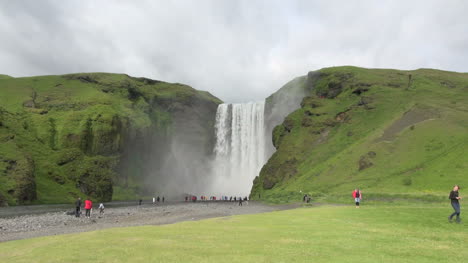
pixel 88 207
pixel 78 207
pixel 357 195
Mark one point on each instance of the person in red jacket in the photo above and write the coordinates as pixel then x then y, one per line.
pixel 357 195
pixel 88 205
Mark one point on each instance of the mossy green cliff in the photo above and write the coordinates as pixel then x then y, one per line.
pixel 79 134
pixel 395 134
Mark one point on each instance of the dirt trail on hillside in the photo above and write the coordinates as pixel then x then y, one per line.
pixel 412 117
pixel 56 223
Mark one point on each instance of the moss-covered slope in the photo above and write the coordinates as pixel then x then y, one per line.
pixel 394 134
pixel 64 136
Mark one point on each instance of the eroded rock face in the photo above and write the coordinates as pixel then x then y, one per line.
pixel 92 132
pixel 25 180
pixel 22 184
pixel 366 160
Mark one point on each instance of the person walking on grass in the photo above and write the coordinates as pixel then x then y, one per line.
pixel 88 206
pixel 454 200
pixel 78 207
pixel 357 195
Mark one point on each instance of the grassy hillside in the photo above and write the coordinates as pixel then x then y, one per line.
pixel 64 136
pixel 394 134
pixel 322 234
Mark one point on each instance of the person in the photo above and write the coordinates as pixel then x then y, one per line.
pixel 454 200
pixel 186 198
pixel 140 201
pixel 88 206
pixel 240 201
pixel 163 199
pixel 157 199
pixel 78 207
pixel 101 208
pixel 357 195
pixel 154 200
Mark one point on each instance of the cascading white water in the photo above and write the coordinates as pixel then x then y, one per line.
pixel 240 147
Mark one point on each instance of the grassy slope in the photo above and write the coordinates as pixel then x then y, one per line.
pixel 421 158
pixel 78 118
pixel 322 234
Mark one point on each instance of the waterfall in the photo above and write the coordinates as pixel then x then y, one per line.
pixel 240 147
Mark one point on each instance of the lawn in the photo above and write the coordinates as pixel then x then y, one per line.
pixel 374 233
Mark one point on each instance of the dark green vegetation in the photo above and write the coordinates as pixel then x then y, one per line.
pixel 91 134
pixel 394 134
pixel 321 234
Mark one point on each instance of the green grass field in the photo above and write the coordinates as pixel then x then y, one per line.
pixel 374 233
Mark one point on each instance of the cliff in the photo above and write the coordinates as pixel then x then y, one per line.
pixel 392 133
pixel 97 134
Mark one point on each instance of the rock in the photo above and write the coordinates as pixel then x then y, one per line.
pixel 29 104
pixel 365 162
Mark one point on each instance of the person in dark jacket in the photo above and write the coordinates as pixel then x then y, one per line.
pixel 78 207
pixel 454 200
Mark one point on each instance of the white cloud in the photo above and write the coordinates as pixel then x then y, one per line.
pixel 238 50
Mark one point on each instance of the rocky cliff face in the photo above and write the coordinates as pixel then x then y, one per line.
pixel 102 135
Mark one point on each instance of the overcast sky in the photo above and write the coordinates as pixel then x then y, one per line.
pixel 238 50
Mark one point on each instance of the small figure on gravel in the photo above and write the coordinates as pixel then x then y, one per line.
pixel 357 195
pixel 139 201
pixel 157 199
pixel 88 206
pixel 163 199
pixel 154 200
pixel 101 208
pixel 78 207
pixel 240 201
pixel 454 200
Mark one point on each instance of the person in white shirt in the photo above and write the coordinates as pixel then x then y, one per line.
pixel 101 208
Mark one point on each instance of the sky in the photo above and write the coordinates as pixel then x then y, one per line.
pixel 239 51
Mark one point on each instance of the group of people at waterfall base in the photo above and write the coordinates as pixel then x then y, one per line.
pixel 88 206
pixel 357 195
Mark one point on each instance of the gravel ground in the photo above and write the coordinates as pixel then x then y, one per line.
pixel 55 223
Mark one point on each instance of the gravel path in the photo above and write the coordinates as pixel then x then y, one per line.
pixel 55 223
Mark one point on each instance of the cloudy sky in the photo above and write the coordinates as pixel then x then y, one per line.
pixel 238 50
